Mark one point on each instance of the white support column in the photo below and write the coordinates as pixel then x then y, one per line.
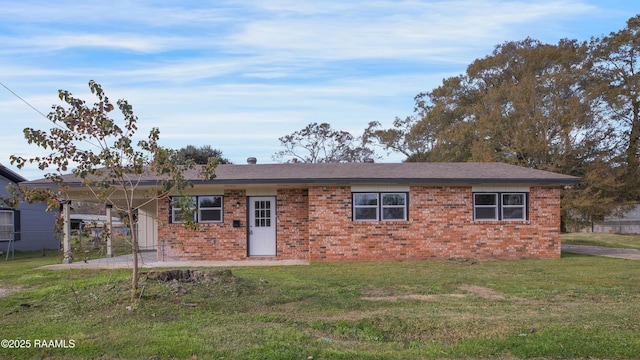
pixel 66 232
pixel 109 226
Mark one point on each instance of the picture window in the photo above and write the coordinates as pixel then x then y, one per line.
pixel 206 209
pixel 500 206
pixel 380 206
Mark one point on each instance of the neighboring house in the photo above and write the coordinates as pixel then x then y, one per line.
pixel 359 212
pixel 30 226
pixel 627 223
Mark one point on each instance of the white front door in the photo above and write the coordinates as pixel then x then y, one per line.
pixel 262 226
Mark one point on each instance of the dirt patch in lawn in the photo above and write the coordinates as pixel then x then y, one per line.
pixel 4 291
pixel 410 297
pixel 472 290
pixel 483 292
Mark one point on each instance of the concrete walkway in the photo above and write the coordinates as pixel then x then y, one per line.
pixel 631 254
pixel 150 260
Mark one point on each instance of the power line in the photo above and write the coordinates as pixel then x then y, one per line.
pixel 23 100
pixel 41 113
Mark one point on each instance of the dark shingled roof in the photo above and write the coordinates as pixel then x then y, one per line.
pixel 363 173
pixel 11 175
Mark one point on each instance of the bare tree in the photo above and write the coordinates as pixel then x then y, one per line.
pixel 319 143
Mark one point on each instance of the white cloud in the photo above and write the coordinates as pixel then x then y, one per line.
pixel 238 75
pixel 418 30
pixel 115 13
pixel 122 41
pixel 328 30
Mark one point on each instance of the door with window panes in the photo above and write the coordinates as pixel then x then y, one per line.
pixel 262 226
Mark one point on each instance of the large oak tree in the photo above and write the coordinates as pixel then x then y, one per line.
pixel 614 63
pixel 570 107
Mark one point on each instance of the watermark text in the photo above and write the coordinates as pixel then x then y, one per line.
pixel 37 343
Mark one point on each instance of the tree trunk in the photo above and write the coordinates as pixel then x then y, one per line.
pixel 634 141
pixel 134 251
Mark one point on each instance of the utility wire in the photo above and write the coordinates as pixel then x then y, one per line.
pixel 24 101
pixel 40 112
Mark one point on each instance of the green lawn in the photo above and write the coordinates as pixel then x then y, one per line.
pixel 575 307
pixel 607 240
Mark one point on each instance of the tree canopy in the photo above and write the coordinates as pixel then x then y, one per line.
pixel 571 107
pixel 614 91
pixel 200 155
pixel 320 143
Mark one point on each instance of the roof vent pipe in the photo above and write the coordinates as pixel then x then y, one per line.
pixel 252 161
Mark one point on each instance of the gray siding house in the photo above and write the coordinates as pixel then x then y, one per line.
pixel 627 223
pixel 29 227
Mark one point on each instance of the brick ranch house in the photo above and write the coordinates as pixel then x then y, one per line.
pixel 360 212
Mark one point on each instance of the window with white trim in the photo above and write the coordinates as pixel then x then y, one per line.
pixel 209 208
pixel 6 225
pixel 500 206
pixel 485 206
pixel 206 209
pixel 365 207
pixel 178 203
pixel 374 206
pixel 394 206
pixel 513 206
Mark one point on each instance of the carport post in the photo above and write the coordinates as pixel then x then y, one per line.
pixel 66 231
pixel 109 225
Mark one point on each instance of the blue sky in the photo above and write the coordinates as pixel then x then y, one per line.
pixel 237 75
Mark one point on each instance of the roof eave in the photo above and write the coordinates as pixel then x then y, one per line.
pixel 11 175
pixel 346 181
pixel 434 181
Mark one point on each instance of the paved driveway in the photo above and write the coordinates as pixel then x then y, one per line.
pixel 602 251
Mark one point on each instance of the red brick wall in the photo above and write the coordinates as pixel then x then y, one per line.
pixel 316 225
pixel 214 241
pixel 440 226
pixel 293 218
pixel 221 241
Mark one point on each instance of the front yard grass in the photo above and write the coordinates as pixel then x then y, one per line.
pixel 606 240
pixel 575 307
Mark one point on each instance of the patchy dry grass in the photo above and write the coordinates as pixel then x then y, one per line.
pixel 575 307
